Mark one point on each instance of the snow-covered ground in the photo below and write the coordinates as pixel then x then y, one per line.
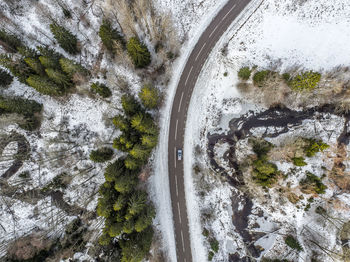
pixel 280 36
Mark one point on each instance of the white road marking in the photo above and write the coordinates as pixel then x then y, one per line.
pixel 177 190
pixel 177 121
pixel 188 75
pixel 182 95
pixel 183 245
pixel 175 156
pixel 228 13
pixel 216 27
pixel 200 51
pixel 178 209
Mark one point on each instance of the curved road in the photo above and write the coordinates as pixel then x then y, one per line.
pixel 178 120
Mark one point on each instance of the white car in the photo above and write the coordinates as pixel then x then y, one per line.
pixel 179 154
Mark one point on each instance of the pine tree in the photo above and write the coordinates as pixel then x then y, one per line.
pixel 128 226
pixel 5 78
pixel 109 36
pixel 70 67
pixel 104 239
pixel 149 96
pixel 137 202
pixel 145 219
pixel 20 106
pixel 18 67
pixel 35 65
pixel 121 123
pixel 101 89
pixel 138 52
pixel 149 141
pixel 132 163
pixel 28 52
pixel 124 183
pixel 65 39
pixel 115 229
pixel 140 152
pixel 9 41
pixel 114 170
pixel 136 246
pixel 120 202
pixel 44 86
pixel 49 58
pixel 101 155
pixel 130 105
pixel 59 78
pixel 144 124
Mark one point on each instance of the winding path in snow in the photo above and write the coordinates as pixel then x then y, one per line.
pixel 181 101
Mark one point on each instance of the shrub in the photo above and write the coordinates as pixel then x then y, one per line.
pixel 109 35
pixel 299 161
pixel 261 147
pixel 101 155
pixel 260 77
pixel 244 73
pixel 315 146
pixel 214 245
pixel 314 182
pixel 138 52
pixel 305 81
pixel 65 39
pixel 211 254
pixel 293 243
pixel 101 89
pixel 149 96
pixel 5 78
pixel 286 77
pixel 9 41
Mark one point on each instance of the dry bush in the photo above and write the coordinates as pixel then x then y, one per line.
pixel 289 150
pixel 27 247
pixel 338 175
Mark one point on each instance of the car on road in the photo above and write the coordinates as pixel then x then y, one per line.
pixel 179 154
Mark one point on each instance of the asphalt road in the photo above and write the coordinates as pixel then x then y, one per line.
pixel 178 121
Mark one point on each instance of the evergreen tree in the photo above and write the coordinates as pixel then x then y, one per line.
pixel 138 52
pixel 49 58
pixel 115 169
pixel 35 65
pixel 124 183
pixel 137 202
pixel 115 229
pixel 121 123
pixel 65 39
pixel 70 67
pixel 105 239
pixel 145 219
pixel 28 52
pixel 130 105
pixel 109 36
pixel 5 78
pixel 101 155
pixel 136 246
pixel 144 124
pixel 149 141
pixel 128 226
pixel 132 163
pixel 44 86
pixel 140 152
pixel 149 96
pixel 120 202
pixel 59 78
pixel 20 106
pixel 9 41
pixel 101 89
pixel 18 67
